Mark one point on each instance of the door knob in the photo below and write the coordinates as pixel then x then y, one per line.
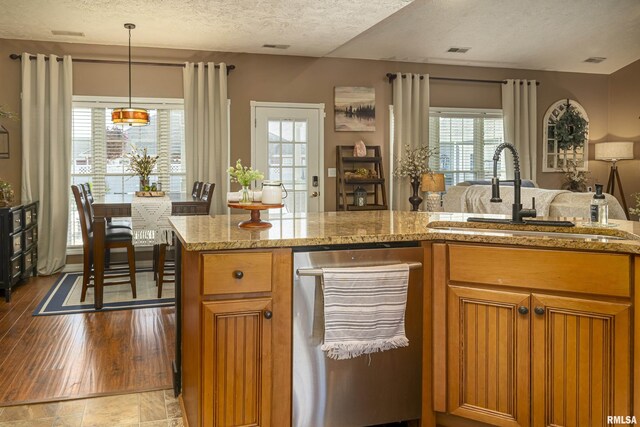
pixel 238 274
pixel 523 310
pixel 539 310
pixel 315 194
pixel 268 314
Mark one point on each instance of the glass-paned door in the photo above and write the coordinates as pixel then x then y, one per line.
pixel 286 149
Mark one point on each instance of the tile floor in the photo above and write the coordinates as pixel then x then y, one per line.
pixel 150 409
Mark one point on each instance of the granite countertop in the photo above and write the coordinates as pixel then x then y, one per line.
pixel 198 233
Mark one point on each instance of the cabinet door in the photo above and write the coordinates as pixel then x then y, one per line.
pixel 489 358
pixel 581 361
pixel 237 363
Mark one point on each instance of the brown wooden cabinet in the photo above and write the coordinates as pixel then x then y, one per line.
pixel 581 361
pixel 236 308
pixel 237 362
pixel 489 358
pixel 522 350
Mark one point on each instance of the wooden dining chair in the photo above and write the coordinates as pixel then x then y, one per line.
pixel 165 269
pixel 86 189
pixel 207 194
pixel 114 238
pixel 196 192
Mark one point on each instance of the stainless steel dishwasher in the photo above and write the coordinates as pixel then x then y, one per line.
pixel 368 390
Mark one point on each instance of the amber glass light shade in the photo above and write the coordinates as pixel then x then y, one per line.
pixel 130 116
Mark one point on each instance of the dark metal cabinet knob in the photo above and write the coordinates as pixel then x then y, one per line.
pixel 238 274
pixel 268 314
pixel 523 310
pixel 539 310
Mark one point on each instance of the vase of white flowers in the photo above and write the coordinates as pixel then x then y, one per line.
pixel 244 175
pixel 414 164
pixel 142 164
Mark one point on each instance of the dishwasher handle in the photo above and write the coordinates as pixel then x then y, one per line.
pixel 318 271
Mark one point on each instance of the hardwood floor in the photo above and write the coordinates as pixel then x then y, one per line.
pixel 48 358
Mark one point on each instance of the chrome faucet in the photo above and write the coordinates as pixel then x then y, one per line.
pixel 517 212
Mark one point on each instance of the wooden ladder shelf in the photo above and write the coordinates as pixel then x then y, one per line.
pixel 347 181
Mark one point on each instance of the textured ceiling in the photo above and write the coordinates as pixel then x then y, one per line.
pixel 542 34
pixel 311 27
pixel 532 34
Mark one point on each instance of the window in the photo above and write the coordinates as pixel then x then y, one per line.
pixel 554 158
pixel 99 148
pixel 466 141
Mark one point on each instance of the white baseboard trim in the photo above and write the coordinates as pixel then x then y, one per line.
pixel 77 268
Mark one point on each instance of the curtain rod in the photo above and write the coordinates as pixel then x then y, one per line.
pixel 14 56
pixel 392 77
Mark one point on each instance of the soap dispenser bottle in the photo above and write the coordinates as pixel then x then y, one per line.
pixel 599 207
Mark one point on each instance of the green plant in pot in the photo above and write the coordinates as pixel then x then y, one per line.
pixel 142 164
pixel 6 192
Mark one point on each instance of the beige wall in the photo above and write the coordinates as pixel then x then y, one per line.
pixel 304 79
pixel 624 123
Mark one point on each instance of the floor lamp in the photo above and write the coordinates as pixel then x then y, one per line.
pixel 612 152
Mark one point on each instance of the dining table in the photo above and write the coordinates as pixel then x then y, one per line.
pixel 118 206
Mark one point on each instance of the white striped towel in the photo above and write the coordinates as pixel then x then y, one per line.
pixel 364 309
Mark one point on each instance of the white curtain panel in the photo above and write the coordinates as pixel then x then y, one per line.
pixel 46 152
pixel 206 128
pixel 410 127
pixel 519 104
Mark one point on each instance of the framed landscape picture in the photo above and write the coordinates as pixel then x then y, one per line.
pixel 355 109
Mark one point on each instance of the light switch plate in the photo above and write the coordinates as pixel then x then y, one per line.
pixel 331 172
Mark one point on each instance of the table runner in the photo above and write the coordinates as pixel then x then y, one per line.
pixel 150 221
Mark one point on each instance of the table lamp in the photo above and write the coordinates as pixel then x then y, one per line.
pixel 433 185
pixel 612 152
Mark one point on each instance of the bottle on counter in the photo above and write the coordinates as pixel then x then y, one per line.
pixel 599 207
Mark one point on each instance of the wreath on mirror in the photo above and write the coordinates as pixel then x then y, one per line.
pixel 571 129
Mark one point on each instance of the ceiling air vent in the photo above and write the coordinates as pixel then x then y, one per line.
pixel 67 33
pixel 595 59
pixel 276 46
pixel 458 49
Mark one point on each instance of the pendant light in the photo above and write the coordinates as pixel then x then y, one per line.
pixel 130 116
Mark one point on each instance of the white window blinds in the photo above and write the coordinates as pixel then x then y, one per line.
pixel 466 141
pixel 99 150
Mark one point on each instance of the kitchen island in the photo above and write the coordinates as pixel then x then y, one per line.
pixel 514 317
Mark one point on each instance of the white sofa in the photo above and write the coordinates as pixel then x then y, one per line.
pixel 553 203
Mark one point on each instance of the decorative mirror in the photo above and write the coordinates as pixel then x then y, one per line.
pixel 555 158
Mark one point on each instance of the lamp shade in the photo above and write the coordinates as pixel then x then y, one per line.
pixel 432 182
pixel 130 116
pixel 613 151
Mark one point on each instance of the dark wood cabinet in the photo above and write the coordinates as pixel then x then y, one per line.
pixel 18 244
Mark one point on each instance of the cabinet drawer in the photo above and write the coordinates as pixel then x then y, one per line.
pixel 28 262
pixel 16 243
pixel 236 273
pixel 16 220
pixel 29 237
pixel 16 269
pixel 584 272
pixel 30 216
